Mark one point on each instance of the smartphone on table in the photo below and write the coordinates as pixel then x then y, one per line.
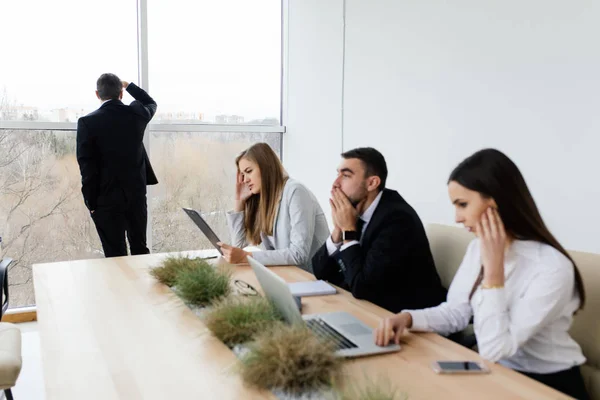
pixel 459 367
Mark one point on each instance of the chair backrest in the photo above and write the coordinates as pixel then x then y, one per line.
pixel 448 245
pixel 586 325
pixel 4 284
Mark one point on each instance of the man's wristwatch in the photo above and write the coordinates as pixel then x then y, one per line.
pixel 349 235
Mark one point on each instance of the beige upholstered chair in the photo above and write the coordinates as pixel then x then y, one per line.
pixel 10 339
pixel 10 357
pixel 586 326
pixel 448 246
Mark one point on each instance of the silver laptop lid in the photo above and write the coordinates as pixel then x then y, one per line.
pixel 277 290
pixel 347 325
pixel 204 227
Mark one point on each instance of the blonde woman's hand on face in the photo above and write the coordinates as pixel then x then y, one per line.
pixel 390 329
pixel 234 255
pixel 492 236
pixel 242 193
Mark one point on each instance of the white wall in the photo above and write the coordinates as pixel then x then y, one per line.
pixel 313 66
pixel 429 82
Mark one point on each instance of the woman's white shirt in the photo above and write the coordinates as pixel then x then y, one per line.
pixel 525 325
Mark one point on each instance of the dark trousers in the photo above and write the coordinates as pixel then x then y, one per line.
pixel 569 381
pixel 466 340
pixel 115 221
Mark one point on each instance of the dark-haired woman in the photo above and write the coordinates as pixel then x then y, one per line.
pixel 517 282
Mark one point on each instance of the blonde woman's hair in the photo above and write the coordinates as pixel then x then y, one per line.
pixel 260 209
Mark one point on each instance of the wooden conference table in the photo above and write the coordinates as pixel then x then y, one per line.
pixel 108 330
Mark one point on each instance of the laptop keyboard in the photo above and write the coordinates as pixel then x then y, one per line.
pixel 326 332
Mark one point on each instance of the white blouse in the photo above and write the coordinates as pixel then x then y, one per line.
pixel 523 326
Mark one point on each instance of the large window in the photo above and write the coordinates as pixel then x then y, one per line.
pixel 205 62
pixel 216 61
pixel 52 57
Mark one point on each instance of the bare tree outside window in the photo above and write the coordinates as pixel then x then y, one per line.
pixel 195 171
pixel 43 218
pixel 41 213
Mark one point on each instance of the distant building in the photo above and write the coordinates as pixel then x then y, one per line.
pixel 67 114
pixel 264 121
pixel 181 116
pixel 229 119
pixel 19 113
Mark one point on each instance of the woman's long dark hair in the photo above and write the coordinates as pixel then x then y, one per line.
pixel 494 175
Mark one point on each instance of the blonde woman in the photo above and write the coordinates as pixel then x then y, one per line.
pixel 273 211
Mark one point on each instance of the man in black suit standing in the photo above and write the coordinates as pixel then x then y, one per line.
pixel 378 249
pixel 114 166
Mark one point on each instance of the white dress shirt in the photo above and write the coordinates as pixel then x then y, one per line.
pixel 523 326
pixel 366 217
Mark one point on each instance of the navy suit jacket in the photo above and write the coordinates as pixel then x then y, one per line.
pixel 393 266
pixel 111 155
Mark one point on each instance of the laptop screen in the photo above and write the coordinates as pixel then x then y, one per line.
pixel 278 291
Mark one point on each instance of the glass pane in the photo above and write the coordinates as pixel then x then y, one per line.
pixel 43 218
pixel 215 61
pixel 54 51
pixel 195 170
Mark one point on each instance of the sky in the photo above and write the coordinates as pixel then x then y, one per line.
pixel 209 56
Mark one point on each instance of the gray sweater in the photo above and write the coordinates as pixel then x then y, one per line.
pixel 300 229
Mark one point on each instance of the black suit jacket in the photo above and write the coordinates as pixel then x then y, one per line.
pixel 393 266
pixel 110 152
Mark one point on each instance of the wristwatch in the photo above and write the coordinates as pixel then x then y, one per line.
pixel 349 235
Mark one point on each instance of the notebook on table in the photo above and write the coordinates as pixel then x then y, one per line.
pixel 311 288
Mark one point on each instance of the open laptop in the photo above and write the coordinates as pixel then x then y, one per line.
pixel 351 337
pixel 204 227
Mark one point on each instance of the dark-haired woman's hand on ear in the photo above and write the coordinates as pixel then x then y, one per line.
pixel 492 236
